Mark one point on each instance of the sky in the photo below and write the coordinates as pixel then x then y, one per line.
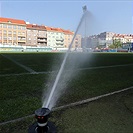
pixel 114 16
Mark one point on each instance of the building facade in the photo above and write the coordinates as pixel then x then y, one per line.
pixel 36 35
pixel 12 32
pixel 123 38
pixel 19 33
pixel 105 39
pixel 68 36
pixel 55 37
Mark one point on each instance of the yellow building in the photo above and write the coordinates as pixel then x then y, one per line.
pixel 12 32
pixel 68 36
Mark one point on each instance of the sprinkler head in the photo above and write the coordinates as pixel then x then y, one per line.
pixel 84 8
pixel 42 125
pixel 42 116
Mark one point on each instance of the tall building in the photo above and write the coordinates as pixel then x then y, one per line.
pixel 68 36
pixel 36 35
pixel 55 37
pixel 106 38
pixel 12 31
pixel 77 41
pixel 123 38
pixel 20 33
pixel 103 39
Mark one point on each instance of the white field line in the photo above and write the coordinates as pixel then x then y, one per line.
pixel 71 104
pixel 19 64
pixel 104 67
pixel 79 69
pixel 92 99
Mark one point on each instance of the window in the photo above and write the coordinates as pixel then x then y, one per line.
pixel 5 37
pixel 5 31
pixel 9 38
pixel 4 26
pixel 19 27
pixel 10 26
pixel 14 32
pixel 14 38
pixel 14 27
pixel 0 25
pixel 9 32
pixel 23 28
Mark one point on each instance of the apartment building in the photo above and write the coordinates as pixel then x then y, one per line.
pixel 68 36
pixel 12 31
pixel 20 33
pixel 36 35
pixel 55 37
pixel 124 38
pixel 77 41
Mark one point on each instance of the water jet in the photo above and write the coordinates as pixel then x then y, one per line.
pixel 43 125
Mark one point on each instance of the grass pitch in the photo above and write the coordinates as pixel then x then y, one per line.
pixel 20 95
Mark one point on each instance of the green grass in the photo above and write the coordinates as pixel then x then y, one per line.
pixel 108 114
pixel 105 115
pixel 52 61
pixel 38 61
pixel 23 93
pixel 7 66
pixel 20 95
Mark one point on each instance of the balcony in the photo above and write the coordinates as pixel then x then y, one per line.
pixel 41 37
pixel 21 39
pixel 41 40
pixel 59 39
pixel 60 43
pixel 42 44
pixel 21 35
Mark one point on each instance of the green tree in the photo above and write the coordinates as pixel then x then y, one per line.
pixel 117 43
pixel 112 46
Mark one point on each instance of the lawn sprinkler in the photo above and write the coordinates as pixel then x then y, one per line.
pixel 42 125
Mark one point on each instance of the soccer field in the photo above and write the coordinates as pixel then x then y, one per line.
pixel 24 76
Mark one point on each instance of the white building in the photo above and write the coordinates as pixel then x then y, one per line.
pixel 55 37
pixel 124 38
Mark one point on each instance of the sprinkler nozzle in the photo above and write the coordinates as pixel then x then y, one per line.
pixel 42 116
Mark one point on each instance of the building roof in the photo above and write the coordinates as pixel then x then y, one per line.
pixel 35 26
pixel 54 29
pixel 68 32
pixel 10 20
pixel 123 36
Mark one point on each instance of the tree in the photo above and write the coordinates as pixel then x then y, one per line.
pixel 112 46
pixel 117 43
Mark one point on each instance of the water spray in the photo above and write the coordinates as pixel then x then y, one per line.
pixel 47 103
pixel 43 125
